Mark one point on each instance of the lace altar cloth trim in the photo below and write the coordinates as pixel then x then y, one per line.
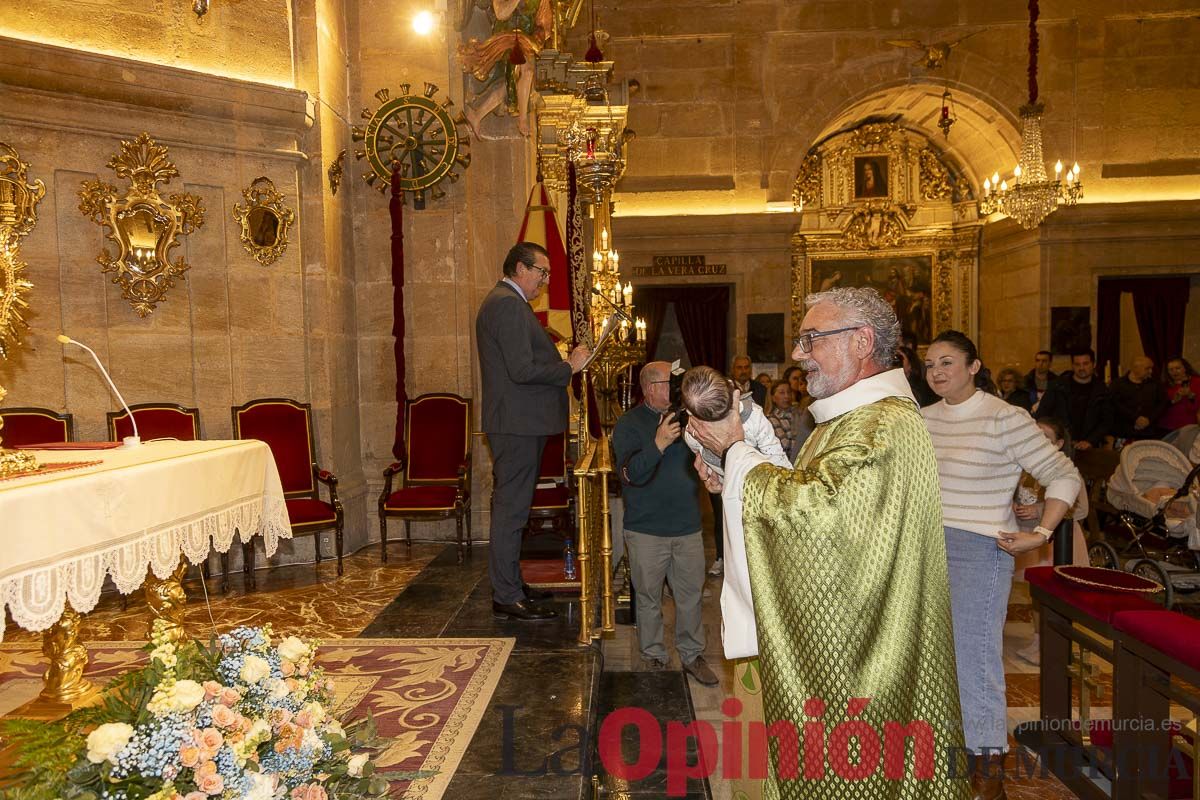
pixel 35 599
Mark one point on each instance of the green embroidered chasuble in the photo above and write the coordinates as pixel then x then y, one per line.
pixel 848 566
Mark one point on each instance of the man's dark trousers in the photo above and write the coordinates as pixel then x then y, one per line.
pixel 515 463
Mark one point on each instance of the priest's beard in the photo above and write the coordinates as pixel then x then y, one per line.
pixel 823 383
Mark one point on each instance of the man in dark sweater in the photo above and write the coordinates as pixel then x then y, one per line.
pixel 1038 379
pixel 1082 401
pixel 662 524
pixel 1139 401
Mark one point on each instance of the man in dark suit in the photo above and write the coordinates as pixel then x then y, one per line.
pixel 524 402
pixel 740 372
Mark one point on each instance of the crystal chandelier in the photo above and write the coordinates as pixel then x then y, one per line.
pixel 1033 195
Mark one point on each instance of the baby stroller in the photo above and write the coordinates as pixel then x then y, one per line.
pixel 1153 492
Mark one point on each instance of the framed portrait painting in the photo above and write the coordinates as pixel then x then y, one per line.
pixel 905 282
pixel 870 176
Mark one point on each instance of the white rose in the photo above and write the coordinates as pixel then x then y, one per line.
pixel 262 787
pixel 354 766
pixel 316 711
pixel 311 740
pixel 334 727
pixel 254 669
pixel 105 742
pixel 259 732
pixel 188 695
pixel 293 649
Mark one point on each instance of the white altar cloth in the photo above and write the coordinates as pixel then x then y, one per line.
pixel 62 532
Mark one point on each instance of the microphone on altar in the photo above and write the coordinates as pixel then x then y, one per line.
pixel 129 441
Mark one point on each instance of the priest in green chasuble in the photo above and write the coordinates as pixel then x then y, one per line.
pixel 847 565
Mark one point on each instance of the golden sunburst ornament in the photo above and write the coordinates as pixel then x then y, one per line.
pixel 18 215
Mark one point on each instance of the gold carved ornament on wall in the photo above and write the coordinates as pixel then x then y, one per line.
pixel 18 215
pixel 264 221
pixel 419 134
pixel 143 226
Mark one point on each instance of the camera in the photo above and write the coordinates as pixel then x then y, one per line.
pixel 676 409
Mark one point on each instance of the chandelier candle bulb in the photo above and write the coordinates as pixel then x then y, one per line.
pixel 604 238
pixel 628 293
pixel 1057 168
pixel 987 186
pixel 614 261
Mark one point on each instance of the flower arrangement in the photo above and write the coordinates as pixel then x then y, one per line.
pixel 239 718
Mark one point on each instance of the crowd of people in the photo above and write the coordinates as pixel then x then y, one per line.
pixel 873 507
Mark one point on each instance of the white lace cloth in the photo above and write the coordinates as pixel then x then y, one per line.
pixel 62 533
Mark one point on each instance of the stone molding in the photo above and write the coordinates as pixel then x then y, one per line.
pixel 80 75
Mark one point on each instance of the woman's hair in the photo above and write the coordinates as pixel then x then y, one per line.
pixel 706 393
pixel 916 367
pixel 1061 431
pixel 1187 367
pixel 787 374
pixel 963 344
pixel 1009 372
pixel 771 394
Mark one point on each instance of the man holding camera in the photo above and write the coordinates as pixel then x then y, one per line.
pixel 662 523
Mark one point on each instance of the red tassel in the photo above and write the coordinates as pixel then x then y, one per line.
pixel 594 53
pixel 516 56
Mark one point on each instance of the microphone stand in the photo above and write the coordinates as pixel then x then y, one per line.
pixel 130 442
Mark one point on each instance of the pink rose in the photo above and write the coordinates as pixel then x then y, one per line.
pixel 287 668
pixel 292 684
pixel 316 792
pixel 211 784
pixel 211 739
pixel 304 719
pixel 224 717
pixel 299 792
pixel 229 697
pixel 303 670
pixel 189 756
pixel 211 690
pixel 195 796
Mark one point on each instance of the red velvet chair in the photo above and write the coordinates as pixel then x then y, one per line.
pixel 156 421
pixel 286 427
pixel 436 479
pixel 552 506
pixel 25 426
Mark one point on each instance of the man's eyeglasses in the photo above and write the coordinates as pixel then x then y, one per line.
pixel 805 340
pixel 545 272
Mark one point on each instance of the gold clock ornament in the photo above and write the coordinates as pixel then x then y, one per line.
pixel 417 132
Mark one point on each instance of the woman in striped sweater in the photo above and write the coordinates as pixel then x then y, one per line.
pixel 982 445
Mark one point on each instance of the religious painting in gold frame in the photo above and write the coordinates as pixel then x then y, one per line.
pixel 264 221
pixel 904 281
pixel 143 225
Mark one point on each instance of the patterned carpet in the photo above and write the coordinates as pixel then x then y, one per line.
pixel 427 695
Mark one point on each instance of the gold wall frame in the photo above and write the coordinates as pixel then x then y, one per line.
pixel 143 226
pixel 264 220
pixel 915 238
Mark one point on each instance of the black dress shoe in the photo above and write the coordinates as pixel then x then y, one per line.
pixel 536 594
pixel 524 610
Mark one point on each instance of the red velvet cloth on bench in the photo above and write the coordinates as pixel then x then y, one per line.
pixel 1099 604
pixel 1169 632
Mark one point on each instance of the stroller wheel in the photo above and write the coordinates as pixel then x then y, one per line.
pixel 1152 570
pixel 1103 554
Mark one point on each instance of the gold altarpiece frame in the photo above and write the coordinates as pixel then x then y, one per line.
pixel 884 207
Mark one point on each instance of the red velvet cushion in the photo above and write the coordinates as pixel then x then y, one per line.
pixel 303 510
pixel 24 428
pixel 157 423
pixel 552 457
pixel 1101 605
pixel 421 498
pixel 436 434
pixel 285 429
pixel 555 497
pixel 1170 632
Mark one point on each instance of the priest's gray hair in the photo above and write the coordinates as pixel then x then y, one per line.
pixel 866 308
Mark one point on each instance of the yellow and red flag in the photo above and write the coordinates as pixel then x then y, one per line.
pixel 540 226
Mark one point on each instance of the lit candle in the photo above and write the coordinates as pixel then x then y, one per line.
pixel 1004 186
pixel 987 186
pixel 1075 169
pixel 628 293
pixel 598 287
pixel 614 261
pixel 1017 172
pixel 604 238
pixel 597 259
pixel 1057 168
pixel 995 179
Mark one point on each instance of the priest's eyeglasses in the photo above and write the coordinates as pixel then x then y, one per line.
pixel 805 340
pixel 545 272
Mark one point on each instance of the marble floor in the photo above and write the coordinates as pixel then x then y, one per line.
pixel 538 735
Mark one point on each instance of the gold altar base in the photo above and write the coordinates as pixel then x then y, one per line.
pixel 16 462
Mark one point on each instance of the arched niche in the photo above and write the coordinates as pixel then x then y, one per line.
pixel 885 206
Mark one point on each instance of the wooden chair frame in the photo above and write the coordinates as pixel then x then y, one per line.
pixel 462 483
pixel 67 420
pixel 194 413
pixel 319 476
